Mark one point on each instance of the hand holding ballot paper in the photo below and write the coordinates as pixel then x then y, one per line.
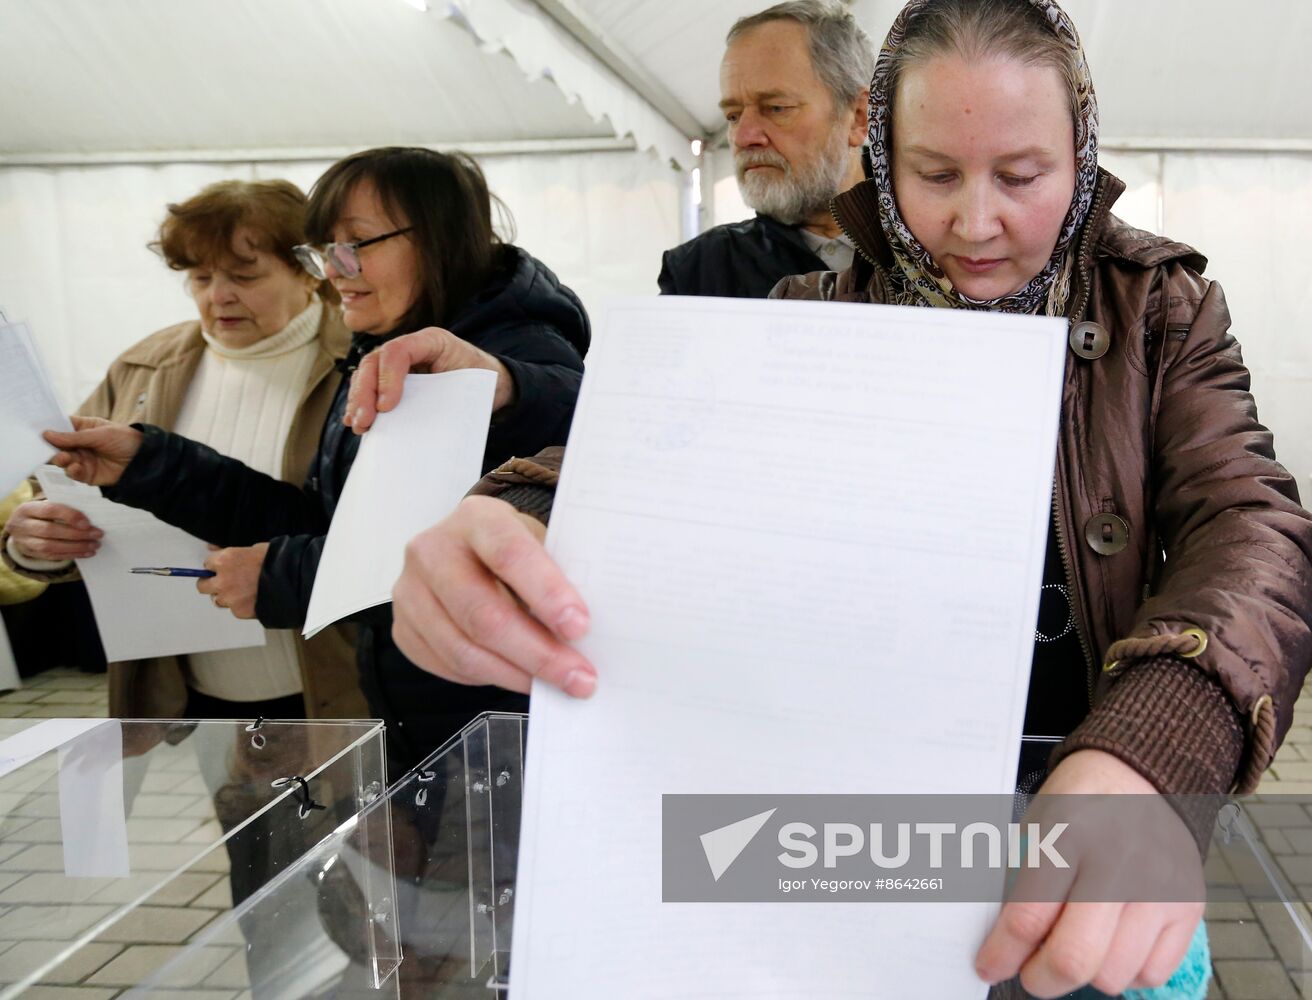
pixel 143 618
pixel 445 420
pixel 137 616
pixel 95 451
pixel 731 606
pixel 767 572
pixel 42 529
pixel 142 615
pixel 51 531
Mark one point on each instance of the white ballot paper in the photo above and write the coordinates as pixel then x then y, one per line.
pixel 413 467
pixel 28 744
pixel 811 538
pixel 28 406
pixel 93 824
pixel 140 615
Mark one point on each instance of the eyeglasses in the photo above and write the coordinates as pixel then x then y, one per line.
pixel 344 257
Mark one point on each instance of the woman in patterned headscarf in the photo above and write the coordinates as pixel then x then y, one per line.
pixel 986 194
pixel 1039 37
pixel 1176 621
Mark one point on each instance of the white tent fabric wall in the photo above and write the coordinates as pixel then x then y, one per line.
pixel 1249 213
pixel 74 260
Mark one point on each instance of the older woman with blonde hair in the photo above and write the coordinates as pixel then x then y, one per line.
pixel 252 375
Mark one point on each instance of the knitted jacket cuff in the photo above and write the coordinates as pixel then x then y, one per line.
pixel 1171 723
pixel 527 484
pixel 1178 729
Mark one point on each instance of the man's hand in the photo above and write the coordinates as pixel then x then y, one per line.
pixel 480 602
pixel 377 384
pixel 96 451
pixel 44 530
pixel 1057 947
pixel 236 578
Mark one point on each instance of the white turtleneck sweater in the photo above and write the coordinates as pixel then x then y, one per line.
pixel 241 402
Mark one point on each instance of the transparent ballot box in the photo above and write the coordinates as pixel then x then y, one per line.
pixel 444 839
pixel 445 836
pixel 121 841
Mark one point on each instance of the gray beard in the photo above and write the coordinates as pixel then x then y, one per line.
pixel 800 194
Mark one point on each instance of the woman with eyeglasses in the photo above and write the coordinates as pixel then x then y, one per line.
pixel 405 237
pixel 251 376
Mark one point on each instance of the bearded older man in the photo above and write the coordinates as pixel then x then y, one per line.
pixel 793 88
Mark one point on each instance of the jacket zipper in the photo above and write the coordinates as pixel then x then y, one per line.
pixel 1067 563
pixel 855 242
pixel 1077 604
pixel 1082 303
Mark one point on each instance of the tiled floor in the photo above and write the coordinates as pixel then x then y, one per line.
pixel 179 888
pixel 1258 953
pixel 126 950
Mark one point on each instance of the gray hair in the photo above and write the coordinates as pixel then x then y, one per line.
pixel 841 52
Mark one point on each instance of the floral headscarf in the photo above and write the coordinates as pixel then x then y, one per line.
pixel 916 278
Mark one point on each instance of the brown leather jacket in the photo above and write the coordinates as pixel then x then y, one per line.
pixel 1159 450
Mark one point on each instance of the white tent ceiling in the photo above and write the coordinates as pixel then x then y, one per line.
pixel 89 76
pixel 156 78
pixel 110 108
pixel 1172 69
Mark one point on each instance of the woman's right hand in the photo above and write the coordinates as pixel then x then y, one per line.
pixel 44 530
pixel 480 602
pixel 379 381
pixel 96 451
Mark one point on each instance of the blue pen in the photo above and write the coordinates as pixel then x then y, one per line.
pixel 172 571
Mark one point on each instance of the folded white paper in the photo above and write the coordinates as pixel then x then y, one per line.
pixel 31 743
pixel 811 538
pixel 92 822
pixel 413 467
pixel 9 679
pixel 139 615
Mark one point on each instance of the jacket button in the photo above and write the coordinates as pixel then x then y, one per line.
pixel 1089 340
pixel 1106 534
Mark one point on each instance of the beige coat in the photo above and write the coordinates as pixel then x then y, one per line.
pixel 147 384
